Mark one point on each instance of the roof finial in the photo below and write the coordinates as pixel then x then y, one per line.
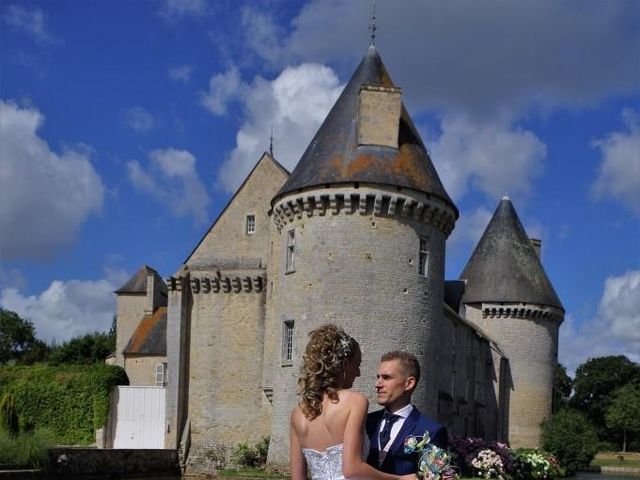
pixel 271 143
pixel 372 27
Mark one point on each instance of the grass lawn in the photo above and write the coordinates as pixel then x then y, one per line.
pixel 250 473
pixel 617 459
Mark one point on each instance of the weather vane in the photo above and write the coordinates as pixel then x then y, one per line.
pixel 372 27
pixel 271 143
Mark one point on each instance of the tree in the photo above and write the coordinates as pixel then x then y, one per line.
pixel 16 336
pixel 571 438
pixel 562 386
pixel 624 412
pixel 596 380
pixel 91 348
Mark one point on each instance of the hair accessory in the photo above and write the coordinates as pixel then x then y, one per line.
pixel 344 345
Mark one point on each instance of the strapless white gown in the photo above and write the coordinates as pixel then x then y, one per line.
pixel 327 465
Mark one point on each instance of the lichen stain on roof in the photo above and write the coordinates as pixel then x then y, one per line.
pixel 150 335
pixel 361 163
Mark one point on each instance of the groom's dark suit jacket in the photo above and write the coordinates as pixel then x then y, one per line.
pixel 397 461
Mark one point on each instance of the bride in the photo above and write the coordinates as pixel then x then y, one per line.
pixel 327 427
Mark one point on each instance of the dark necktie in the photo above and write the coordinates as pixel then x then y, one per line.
pixel 385 434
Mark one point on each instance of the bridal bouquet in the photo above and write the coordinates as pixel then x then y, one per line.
pixel 434 462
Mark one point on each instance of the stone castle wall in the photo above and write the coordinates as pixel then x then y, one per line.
pixel 226 403
pixel 141 370
pixel 530 344
pixel 227 237
pixel 360 271
pixel 130 308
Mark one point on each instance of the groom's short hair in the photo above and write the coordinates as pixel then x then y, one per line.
pixel 408 362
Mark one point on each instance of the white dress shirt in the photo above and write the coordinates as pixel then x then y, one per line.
pixel 403 413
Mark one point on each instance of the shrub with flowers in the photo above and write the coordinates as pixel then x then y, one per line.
pixel 536 464
pixel 476 457
pixel 464 450
pixel 488 464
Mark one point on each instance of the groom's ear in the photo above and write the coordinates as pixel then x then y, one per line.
pixel 410 383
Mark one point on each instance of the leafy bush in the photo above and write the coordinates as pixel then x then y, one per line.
pixel 27 450
pixel 8 414
pixel 71 401
pixel 532 463
pixel 245 455
pixel 571 438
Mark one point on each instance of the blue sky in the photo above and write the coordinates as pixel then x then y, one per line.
pixel 126 126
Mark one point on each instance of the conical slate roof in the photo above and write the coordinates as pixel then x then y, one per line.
pixel 504 267
pixel 334 156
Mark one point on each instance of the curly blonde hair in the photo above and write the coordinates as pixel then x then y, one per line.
pixel 322 367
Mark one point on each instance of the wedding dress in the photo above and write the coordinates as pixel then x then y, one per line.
pixel 327 465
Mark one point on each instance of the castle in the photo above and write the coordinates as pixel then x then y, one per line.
pixel 354 235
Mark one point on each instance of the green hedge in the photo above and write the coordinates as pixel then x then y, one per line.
pixel 71 401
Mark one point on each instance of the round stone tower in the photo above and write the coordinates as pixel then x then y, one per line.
pixel 509 295
pixel 359 240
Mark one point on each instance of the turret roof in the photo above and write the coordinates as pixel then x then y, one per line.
pixel 138 282
pixel 334 156
pixel 504 266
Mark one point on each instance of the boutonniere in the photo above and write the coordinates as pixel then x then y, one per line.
pixel 413 444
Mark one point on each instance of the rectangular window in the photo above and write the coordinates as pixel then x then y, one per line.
pixel 287 342
pixel 251 224
pixel 291 250
pixel 423 258
pixel 161 374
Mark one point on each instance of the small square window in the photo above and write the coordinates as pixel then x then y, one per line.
pixel 423 258
pixel 251 224
pixel 161 374
pixel 291 248
pixel 287 342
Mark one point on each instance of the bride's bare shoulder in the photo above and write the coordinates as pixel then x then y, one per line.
pixel 354 398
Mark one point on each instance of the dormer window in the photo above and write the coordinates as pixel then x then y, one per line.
pixel 251 225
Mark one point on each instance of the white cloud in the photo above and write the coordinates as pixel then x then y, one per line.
pixel 11 277
pixel 620 308
pixel 480 58
pixel 69 308
pixel 619 172
pixel 223 88
pixel 172 179
pixel 181 73
pixel 615 330
pixel 294 104
pixel 183 8
pixel 469 228
pixel 262 33
pixel 138 119
pixel 489 157
pixel 44 196
pixel 30 20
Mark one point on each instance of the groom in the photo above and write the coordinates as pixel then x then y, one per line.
pixel 398 375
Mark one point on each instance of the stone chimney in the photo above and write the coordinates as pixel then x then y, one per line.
pixel 149 304
pixel 536 243
pixel 379 111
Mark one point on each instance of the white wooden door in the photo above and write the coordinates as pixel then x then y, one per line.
pixel 139 421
